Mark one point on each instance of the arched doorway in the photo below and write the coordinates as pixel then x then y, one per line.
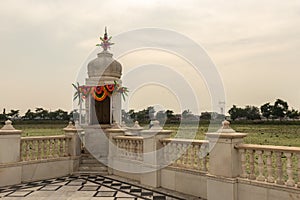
pixel 100 111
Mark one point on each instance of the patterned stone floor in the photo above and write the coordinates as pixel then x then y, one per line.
pixel 82 187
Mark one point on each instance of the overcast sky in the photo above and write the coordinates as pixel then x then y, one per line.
pixel 255 45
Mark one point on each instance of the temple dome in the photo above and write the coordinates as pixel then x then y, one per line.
pixel 104 66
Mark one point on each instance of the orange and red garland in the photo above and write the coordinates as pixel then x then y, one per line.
pixel 98 92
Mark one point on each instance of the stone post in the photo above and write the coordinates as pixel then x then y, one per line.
pixel 74 145
pixel 115 130
pixel 10 143
pixel 134 130
pixel 153 154
pixel 224 163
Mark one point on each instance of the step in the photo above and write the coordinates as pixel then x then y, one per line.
pixel 94 168
pixel 89 173
pixel 89 161
pixel 91 165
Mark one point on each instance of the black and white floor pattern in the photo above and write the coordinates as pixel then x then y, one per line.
pixel 83 187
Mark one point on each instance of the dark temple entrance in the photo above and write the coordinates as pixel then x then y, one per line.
pixel 100 111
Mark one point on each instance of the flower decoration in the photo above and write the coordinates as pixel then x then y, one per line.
pixel 99 93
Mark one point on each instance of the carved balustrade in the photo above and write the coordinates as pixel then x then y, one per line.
pixel 186 154
pixel 129 147
pixel 44 147
pixel 272 164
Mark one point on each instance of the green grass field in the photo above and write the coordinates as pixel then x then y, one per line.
pixel 283 135
pixel 41 129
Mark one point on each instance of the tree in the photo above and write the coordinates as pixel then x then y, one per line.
pixel 29 115
pixel 149 114
pixel 169 114
pixel 41 113
pixel 186 114
pixel 266 110
pixel 280 109
pixel 205 116
pixel 3 115
pixel 249 113
pixel 132 114
pixel 161 116
pixel 58 115
pixel 235 112
pixel 14 114
pixel 293 114
pixel 252 113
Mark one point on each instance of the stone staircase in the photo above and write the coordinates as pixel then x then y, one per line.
pixel 89 164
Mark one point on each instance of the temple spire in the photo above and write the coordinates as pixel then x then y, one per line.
pixel 105 41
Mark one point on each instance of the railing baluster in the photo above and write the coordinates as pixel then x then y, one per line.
pixel 39 149
pixel 290 182
pixel 198 158
pixel 171 152
pixel 279 170
pixel 260 163
pixel 45 148
pixel 49 153
pixel 122 148
pixel 56 143
pixel 140 149
pixel 204 162
pixel 243 163
pixel 184 155
pixel 181 153
pixel 61 151
pixel 192 156
pixel 118 148
pixel 251 163
pixel 21 150
pixel 34 150
pixel 135 149
pixel 67 143
pixel 188 156
pixel 27 150
pixel 298 160
pixel 175 154
pixel 270 177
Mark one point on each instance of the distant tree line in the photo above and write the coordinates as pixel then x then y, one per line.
pixel 37 114
pixel 144 116
pixel 277 111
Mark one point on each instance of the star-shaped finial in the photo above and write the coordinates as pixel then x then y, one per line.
pixel 105 44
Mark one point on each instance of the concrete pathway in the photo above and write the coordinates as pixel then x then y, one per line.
pixel 84 187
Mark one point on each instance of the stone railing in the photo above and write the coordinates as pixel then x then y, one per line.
pixel 271 164
pixel 186 154
pixel 129 147
pixel 44 147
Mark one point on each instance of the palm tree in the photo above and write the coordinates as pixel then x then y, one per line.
pixel 77 94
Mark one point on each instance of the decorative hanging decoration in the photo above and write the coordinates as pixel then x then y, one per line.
pixel 99 93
